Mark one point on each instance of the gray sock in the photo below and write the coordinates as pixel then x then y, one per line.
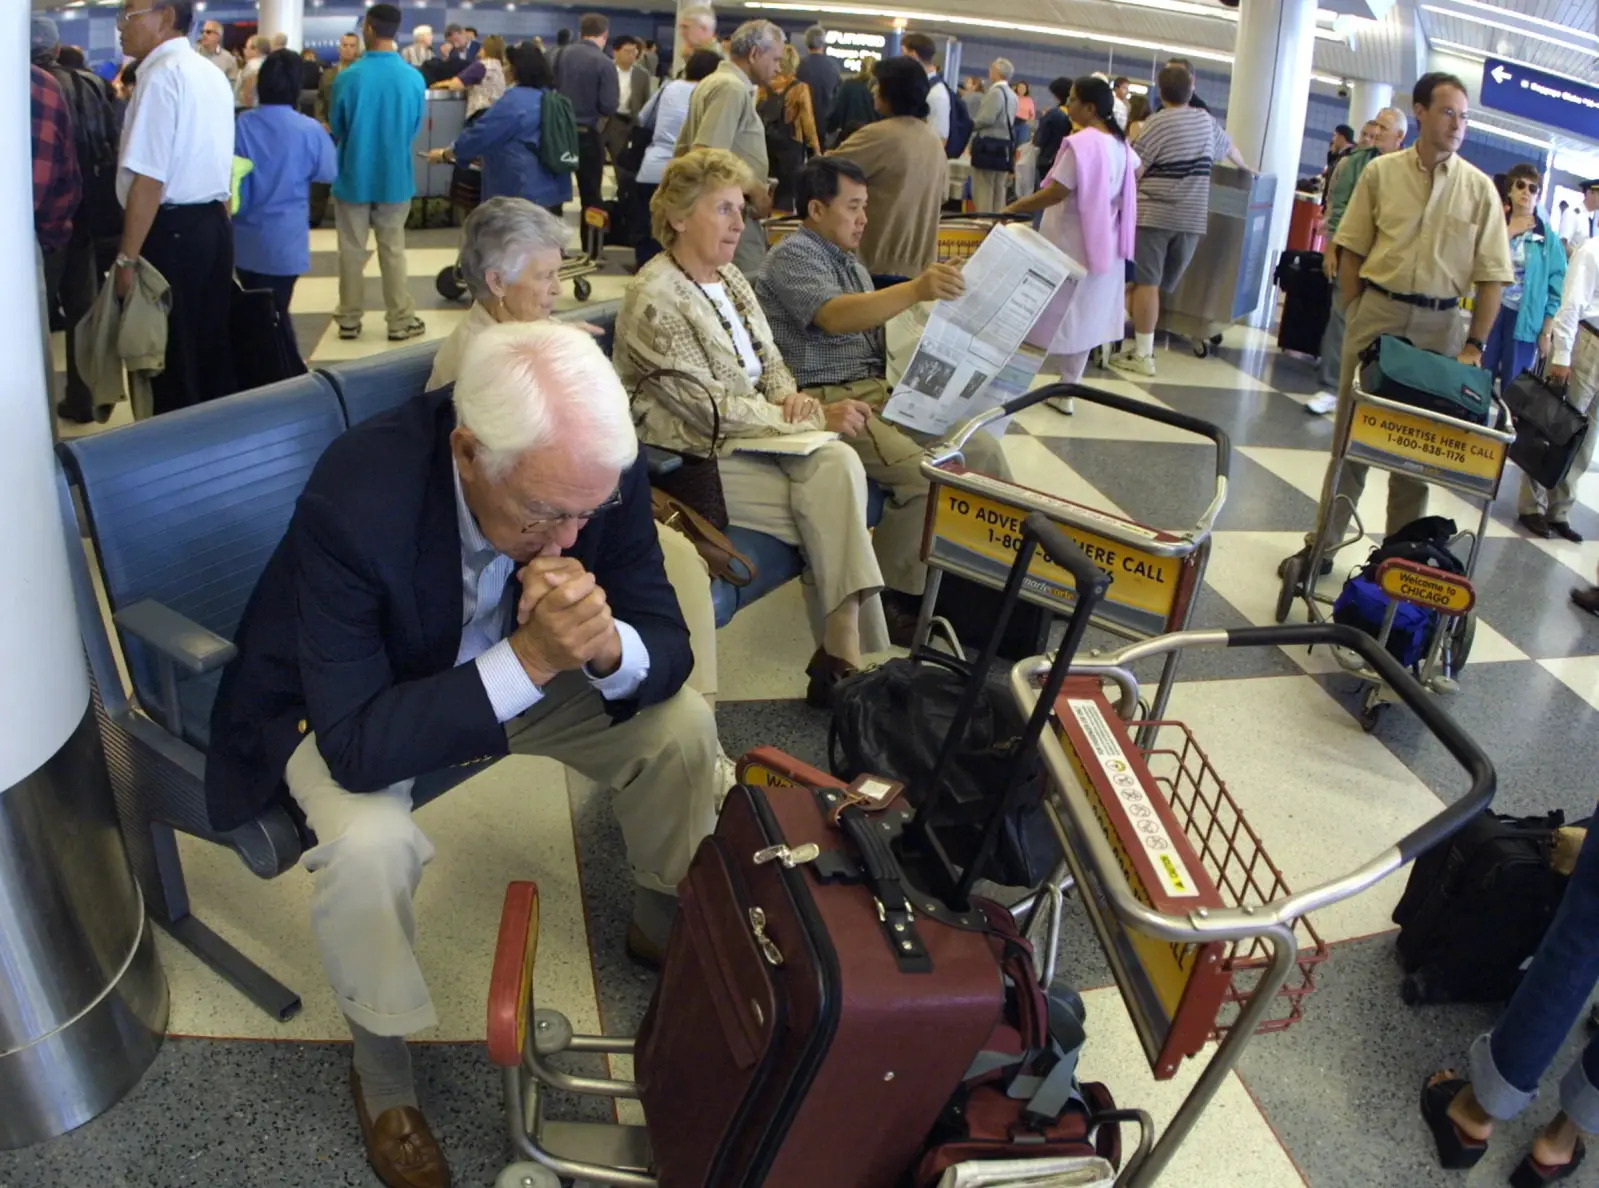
pixel 383 1063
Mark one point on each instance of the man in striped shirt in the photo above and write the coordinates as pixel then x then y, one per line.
pixel 1178 145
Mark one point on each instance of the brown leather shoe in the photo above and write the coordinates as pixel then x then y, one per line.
pixel 641 950
pixel 399 1145
pixel 825 672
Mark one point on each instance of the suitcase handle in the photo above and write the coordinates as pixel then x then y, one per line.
pixel 1091 584
pixel 887 884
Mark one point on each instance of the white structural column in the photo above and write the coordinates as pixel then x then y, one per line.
pixel 1267 100
pixel 44 689
pixel 286 17
pixel 1366 99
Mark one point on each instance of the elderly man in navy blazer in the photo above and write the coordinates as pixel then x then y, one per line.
pixel 473 573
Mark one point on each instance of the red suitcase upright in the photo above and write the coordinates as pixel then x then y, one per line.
pixel 816 1011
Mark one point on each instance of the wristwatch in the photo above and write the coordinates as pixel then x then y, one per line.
pixel 1478 343
pixel 127 261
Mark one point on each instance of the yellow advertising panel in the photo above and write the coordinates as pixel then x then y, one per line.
pixel 1421 445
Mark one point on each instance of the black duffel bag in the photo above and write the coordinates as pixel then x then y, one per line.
pixel 892 720
pixel 1549 429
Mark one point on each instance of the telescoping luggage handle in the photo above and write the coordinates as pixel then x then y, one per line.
pixel 1092 583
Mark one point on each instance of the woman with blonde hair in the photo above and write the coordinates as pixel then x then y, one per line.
pixel 789 117
pixel 690 312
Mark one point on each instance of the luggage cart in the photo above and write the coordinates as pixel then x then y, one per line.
pixel 974 521
pixel 1460 456
pixel 575 267
pixel 1204 937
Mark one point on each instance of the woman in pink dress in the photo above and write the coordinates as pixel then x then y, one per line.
pixel 1090 205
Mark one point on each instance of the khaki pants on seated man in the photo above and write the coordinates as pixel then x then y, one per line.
pixel 370 851
pixel 892 457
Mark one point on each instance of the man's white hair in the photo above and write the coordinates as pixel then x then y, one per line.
pixel 1003 67
pixel 532 385
pixel 421 31
pixel 752 35
pixel 1400 120
pixel 702 15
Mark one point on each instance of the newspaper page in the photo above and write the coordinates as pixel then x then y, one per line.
pixel 1011 281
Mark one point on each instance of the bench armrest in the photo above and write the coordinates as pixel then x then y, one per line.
pixel 659 461
pixel 193 648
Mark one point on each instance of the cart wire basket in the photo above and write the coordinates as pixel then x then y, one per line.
pixel 1236 861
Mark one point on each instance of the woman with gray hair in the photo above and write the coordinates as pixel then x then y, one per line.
pixel 510 262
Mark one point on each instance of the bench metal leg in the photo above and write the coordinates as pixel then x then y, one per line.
pixel 244 975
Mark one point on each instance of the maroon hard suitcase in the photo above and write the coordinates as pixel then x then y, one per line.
pixel 816 1011
pixel 800 1038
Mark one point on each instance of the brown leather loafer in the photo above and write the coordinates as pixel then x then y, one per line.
pixel 399 1145
pixel 825 672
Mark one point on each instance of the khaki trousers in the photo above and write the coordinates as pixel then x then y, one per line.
pixel 1583 392
pixel 387 222
pixel 988 190
pixel 817 504
pixel 369 854
pixel 1371 315
pixel 690 579
pixel 892 457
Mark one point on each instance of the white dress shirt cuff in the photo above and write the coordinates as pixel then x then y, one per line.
pixel 511 691
pixel 629 674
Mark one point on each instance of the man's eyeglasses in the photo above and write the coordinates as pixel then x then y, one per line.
pixel 127 14
pixel 538 518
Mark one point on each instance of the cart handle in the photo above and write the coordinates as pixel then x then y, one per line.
pixel 957 437
pixel 1251 920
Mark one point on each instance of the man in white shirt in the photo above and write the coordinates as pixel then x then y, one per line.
pixel 210 48
pixel 1120 90
pixel 1574 362
pixel 174 177
pixel 1586 224
pixel 632 91
pixel 920 47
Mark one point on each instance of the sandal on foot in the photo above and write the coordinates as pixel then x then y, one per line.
pixel 1456 1152
pixel 1530 1173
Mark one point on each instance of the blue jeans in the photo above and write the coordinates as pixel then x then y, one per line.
pixel 1508 1063
pixel 1505 357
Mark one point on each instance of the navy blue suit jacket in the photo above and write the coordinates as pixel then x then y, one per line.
pixel 353 629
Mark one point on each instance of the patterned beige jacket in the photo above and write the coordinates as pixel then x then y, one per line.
pixel 666 321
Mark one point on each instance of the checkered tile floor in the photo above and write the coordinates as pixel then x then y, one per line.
pixel 1330 1103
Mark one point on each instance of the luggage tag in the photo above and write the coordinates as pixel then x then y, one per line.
pixel 871 793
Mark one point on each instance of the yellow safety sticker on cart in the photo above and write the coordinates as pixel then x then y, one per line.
pixel 1424 445
pixel 1437 590
pixel 1170 869
pixel 982 536
pixel 960 243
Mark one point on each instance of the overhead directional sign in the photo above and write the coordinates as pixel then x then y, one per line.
pixel 1544 98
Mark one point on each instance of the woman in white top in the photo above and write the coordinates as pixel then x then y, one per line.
pixel 690 311
pixel 1090 205
pixel 255 49
pixel 664 113
pixel 484 78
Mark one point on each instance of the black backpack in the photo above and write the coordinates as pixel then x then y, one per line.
pixel 94 139
pixel 960 121
pixel 1476 908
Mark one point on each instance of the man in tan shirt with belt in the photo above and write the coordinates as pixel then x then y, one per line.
pixel 1423 231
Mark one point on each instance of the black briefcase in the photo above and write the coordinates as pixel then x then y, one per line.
pixel 1549 428
pixel 263 351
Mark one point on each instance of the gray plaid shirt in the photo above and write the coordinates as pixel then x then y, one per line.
pixel 800 275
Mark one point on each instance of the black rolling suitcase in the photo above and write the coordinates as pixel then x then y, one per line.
pixel 1307 302
pixel 1476 908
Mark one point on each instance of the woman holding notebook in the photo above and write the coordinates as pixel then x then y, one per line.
pixel 690 312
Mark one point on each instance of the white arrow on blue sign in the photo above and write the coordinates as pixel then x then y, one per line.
pixel 1548 99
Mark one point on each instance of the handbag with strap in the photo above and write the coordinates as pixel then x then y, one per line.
pixel 996 154
pixel 1549 428
pixel 697 483
pixel 722 556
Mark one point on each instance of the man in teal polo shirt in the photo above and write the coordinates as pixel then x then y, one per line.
pixel 377 112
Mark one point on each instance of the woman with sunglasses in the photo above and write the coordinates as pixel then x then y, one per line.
pixel 1521 333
